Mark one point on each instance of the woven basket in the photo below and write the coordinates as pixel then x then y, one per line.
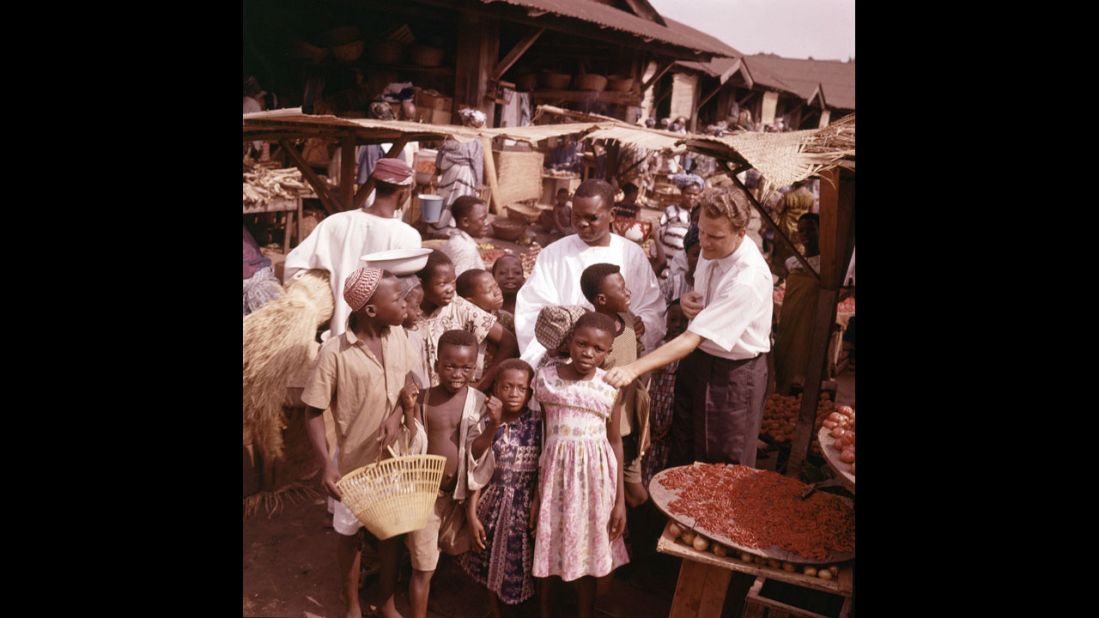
pixel 425 56
pixel 508 229
pixel 386 52
pixel 554 81
pixel 395 496
pixel 591 81
pixel 527 82
pixel 617 83
pixel 519 176
pixel 301 49
pixel 349 52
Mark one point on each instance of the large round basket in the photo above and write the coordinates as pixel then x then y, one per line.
pixel 395 496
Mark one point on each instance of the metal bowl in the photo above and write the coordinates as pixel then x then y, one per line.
pixel 400 262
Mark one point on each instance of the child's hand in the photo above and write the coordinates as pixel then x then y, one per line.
pixel 639 326
pixel 495 409
pixel 617 525
pixel 391 428
pixel 478 532
pixel 408 395
pixel 331 476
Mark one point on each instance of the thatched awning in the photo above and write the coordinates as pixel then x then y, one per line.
pixel 782 158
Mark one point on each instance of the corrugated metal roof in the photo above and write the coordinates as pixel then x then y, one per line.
pixel 610 17
pixel 835 78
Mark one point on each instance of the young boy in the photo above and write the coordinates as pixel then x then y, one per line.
pixel 361 375
pixel 562 213
pixel 444 311
pixel 508 272
pixel 469 215
pixel 480 288
pixel 606 290
pixel 448 411
pixel 413 294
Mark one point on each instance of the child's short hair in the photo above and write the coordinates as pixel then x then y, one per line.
pixel 629 188
pixel 456 338
pixel 596 320
pixel 468 279
pixel 512 364
pixel 500 260
pixel 562 190
pixel 434 259
pixel 592 279
pixel 463 206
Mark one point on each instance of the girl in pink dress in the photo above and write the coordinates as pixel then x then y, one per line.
pixel 581 512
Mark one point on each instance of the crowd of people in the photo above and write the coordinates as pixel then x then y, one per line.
pixel 555 397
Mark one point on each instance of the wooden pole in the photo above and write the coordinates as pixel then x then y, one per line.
pixel 490 176
pixel 319 186
pixel 837 210
pixel 767 219
pixel 516 52
pixel 659 73
pixel 347 172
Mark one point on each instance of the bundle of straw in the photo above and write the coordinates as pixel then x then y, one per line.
pixel 278 342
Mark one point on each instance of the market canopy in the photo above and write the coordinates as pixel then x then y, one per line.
pixel 782 158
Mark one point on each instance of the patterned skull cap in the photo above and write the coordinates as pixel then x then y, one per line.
pixel 555 324
pixel 360 286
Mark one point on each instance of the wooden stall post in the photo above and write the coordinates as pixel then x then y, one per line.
pixel 490 176
pixel 837 210
pixel 478 50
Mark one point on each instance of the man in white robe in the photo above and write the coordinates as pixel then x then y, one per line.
pixel 341 239
pixel 555 279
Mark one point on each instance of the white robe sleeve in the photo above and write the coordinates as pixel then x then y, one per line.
pixel 538 291
pixel 646 299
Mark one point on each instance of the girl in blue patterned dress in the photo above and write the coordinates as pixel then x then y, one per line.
pixel 499 512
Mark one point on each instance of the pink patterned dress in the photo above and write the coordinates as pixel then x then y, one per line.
pixel 578 478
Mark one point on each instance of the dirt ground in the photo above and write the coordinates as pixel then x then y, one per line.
pixel 290 570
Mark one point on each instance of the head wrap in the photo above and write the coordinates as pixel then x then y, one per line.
pixel 554 324
pixel 685 180
pixel 380 110
pixel 360 286
pixel 393 171
pixel 472 115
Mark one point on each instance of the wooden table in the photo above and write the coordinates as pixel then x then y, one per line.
pixel 282 204
pixel 704 579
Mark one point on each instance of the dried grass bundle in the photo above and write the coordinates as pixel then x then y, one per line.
pixel 279 342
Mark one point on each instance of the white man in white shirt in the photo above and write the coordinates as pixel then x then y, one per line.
pixel 555 279
pixel 722 378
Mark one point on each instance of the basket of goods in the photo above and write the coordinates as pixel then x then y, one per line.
pixel 523 213
pixel 349 52
pixel 554 81
pixel 386 52
pixel 341 36
pixel 591 81
pixel 425 56
pixel 301 49
pixel 508 229
pixel 395 496
pixel 617 83
pixel 527 82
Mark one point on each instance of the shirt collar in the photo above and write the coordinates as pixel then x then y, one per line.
pixel 727 262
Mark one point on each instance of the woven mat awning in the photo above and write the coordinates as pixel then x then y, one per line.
pixel 782 158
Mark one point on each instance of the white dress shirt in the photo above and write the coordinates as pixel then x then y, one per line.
pixel 737 299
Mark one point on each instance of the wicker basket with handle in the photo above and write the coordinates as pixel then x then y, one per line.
pixel 395 496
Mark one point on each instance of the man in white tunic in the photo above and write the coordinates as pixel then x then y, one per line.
pixel 341 239
pixel 555 279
